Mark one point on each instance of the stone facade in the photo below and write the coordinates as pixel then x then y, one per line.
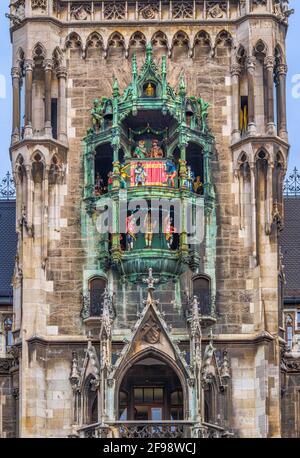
pixel 70 54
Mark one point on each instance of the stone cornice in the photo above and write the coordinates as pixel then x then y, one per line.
pixel 151 22
pixel 221 339
pixel 260 139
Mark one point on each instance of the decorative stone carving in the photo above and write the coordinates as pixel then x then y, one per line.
pixel 182 10
pixel 42 4
pixel 260 2
pixel 282 11
pixel 114 10
pixel 148 10
pixel 81 12
pixel 151 331
pixel 216 10
pixel 17 13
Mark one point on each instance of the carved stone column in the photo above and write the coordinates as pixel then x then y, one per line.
pixel 16 74
pixel 281 73
pixel 251 107
pixel 269 66
pixel 48 67
pixel 28 97
pixel 235 80
pixel 62 104
pixel 254 216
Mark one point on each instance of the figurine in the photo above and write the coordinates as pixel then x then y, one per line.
pixel 190 178
pixel 198 185
pixel 169 230
pixel 156 150
pixel 130 231
pixel 96 113
pixel 150 90
pixel 171 172
pixel 149 228
pixel 99 185
pixel 110 181
pixel 140 151
pixel 139 175
pixel 124 176
pixel 204 113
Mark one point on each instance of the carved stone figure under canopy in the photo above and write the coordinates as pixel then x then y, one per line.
pixel 150 90
pixel 140 151
pixel 96 113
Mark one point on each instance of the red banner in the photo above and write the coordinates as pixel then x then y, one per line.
pixel 154 173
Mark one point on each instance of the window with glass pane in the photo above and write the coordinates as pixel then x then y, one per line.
pixel 138 394
pixel 289 330
pixel 298 320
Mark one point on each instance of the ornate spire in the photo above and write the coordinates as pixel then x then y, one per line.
pixel 75 374
pixel 116 91
pixel 134 67
pixel 149 50
pixel 150 281
pixel 225 368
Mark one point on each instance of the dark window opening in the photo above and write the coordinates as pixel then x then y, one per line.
pixel 97 288
pixel 54 117
pixel 244 115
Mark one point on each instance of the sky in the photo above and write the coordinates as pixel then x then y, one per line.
pixel 293 87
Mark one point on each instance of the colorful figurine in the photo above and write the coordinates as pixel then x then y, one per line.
pixel 156 150
pixel 150 90
pixel 149 228
pixel 169 230
pixel 140 151
pixel 124 176
pixel 190 178
pixel 99 185
pixel 110 181
pixel 171 172
pixel 198 185
pixel 139 175
pixel 130 231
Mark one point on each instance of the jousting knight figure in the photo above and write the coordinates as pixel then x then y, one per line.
pixel 171 173
pixel 139 175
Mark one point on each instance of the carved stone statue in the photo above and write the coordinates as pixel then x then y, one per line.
pixel 96 113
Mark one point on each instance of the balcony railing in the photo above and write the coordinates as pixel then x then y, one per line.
pixel 153 429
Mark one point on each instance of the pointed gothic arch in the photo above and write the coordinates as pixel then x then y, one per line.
pixel 116 47
pixel 181 45
pixel 155 355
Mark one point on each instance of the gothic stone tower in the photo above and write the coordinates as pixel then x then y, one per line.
pixel 138 99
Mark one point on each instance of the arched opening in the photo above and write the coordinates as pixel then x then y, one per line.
pixel 103 169
pixel 90 401
pixel 194 160
pixel 209 404
pixel 97 287
pixel 151 390
pixel 202 289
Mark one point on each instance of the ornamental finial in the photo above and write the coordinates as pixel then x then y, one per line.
pixel 116 92
pixel 150 282
pixel 149 52
pixel 134 65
